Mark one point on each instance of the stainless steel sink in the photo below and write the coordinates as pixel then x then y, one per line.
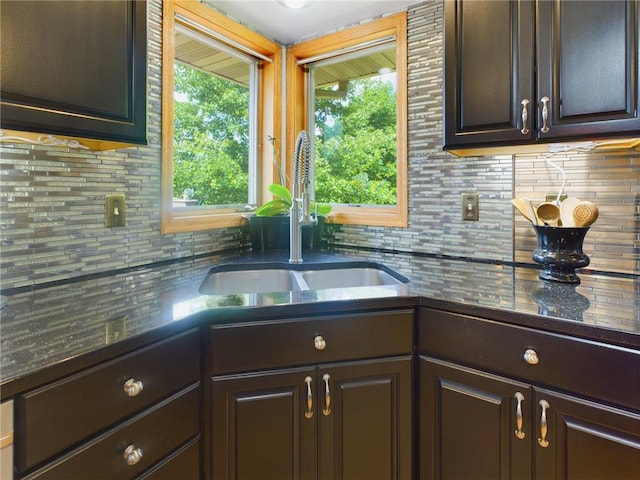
pixel 348 278
pixel 248 281
pixel 269 278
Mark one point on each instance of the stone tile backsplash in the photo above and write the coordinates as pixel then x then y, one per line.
pixel 52 199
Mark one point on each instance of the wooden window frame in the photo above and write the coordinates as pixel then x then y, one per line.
pixel 269 113
pixel 297 117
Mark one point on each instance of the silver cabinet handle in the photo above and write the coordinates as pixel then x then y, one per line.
pixel 542 441
pixel 525 116
pixel 531 356
pixel 545 114
pixel 132 455
pixel 319 342
pixel 327 395
pixel 309 412
pixel 133 387
pixel 519 432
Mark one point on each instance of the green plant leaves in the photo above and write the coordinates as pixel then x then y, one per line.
pixel 282 204
pixel 281 192
pixel 274 207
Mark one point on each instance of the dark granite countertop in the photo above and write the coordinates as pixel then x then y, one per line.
pixel 44 332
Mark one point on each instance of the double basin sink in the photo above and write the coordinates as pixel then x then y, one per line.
pixel 233 279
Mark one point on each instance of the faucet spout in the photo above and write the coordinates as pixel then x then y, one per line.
pixel 300 212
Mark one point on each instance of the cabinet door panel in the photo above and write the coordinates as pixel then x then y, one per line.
pixel 488 71
pixel 259 426
pixel 588 67
pixel 367 432
pixel 586 440
pixel 75 68
pixel 468 423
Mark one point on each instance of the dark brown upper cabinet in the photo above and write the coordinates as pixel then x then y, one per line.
pixel 521 72
pixel 75 69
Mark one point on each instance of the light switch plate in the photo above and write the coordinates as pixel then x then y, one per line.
pixel 115 211
pixel 470 206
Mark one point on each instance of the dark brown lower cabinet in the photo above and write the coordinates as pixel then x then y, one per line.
pixel 477 425
pixel 340 421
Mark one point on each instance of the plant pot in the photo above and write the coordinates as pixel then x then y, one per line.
pixel 560 252
pixel 272 233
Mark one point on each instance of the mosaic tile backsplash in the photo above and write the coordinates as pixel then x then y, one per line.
pixel 52 199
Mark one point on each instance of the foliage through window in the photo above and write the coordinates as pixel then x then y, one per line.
pixel 211 139
pixel 212 123
pixel 355 130
pixel 217 79
pixel 353 84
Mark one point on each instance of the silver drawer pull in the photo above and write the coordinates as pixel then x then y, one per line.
pixel 133 387
pixel 531 356
pixel 519 432
pixel 309 412
pixel 542 441
pixel 319 342
pixel 327 395
pixel 132 455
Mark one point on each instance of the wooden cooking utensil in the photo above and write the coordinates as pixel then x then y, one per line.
pixel 585 213
pixel 566 211
pixel 549 214
pixel 524 207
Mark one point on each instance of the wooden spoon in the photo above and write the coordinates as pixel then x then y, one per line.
pixel 524 207
pixel 549 214
pixel 585 214
pixel 567 207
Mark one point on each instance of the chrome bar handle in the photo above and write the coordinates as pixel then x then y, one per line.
pixel 519 432
pixel 525 116
pixel 545 114
pixel 542 441
pixel 309 412
pixel 327 395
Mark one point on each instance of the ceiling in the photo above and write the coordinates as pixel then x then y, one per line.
pixel 288 26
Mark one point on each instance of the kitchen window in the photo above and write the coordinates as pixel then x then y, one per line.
pixel 353 86
pixel 217 78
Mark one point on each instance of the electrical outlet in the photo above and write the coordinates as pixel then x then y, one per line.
pixel 551 197
pixel 470 210
pixel 114 215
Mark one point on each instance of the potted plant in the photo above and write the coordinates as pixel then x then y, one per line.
pixel 269 227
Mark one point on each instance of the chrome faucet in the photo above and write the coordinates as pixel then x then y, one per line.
pixel 301 197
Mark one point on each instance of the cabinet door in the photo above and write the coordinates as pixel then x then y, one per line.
pixel 588 67
pixel 75 68
pixel 263 426
pixel 365 420
pixel 585 440
pixel 488 72
pixel 470 424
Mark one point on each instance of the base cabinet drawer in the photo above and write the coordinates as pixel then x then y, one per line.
pixel 596 370
pixel 133 447
pixel 58 416
pixel 300 341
